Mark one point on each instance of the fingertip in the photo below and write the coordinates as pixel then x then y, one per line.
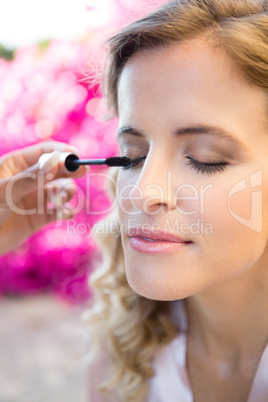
pixel 73 149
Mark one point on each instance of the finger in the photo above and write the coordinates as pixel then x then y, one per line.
pixel 52 214
pixel 60 191
pixel 30 180
pixel 57 215
pixel 49 204
pixel 35 178
pixel 32 153
pixel 56 210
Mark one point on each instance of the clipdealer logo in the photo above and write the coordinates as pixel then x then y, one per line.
pixel 255 222
pixel 112 227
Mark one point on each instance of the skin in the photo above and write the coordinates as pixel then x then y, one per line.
pixel 223 275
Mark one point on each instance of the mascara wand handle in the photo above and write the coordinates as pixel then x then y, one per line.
pixel 72 161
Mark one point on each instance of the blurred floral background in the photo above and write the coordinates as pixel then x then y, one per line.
pixel 45 94
pixel 51 55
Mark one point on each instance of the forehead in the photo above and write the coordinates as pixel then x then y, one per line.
pixel 174 69
pixel 187 82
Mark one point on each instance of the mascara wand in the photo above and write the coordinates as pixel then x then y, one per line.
pixel 72 162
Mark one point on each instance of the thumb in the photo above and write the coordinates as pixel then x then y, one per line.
pixel 32 179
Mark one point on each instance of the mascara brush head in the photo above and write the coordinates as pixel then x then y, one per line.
pixel 120 161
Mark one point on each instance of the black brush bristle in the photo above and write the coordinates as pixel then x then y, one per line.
pixel 120 161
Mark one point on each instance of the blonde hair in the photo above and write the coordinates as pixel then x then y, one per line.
pixel 133 328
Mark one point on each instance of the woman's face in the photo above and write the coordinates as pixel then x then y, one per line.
pixel 185 107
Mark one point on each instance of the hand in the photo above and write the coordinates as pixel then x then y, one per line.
pixel 25 190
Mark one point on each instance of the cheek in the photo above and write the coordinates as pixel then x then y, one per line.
pixel 233 202
pixel 239 235
pixel 124 185
pixel 244 204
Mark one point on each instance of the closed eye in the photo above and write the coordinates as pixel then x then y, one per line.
pixel 203 167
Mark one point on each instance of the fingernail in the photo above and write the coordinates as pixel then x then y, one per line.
pixel 87 168
pixel 48 161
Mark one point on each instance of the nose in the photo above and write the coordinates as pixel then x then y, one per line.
pixel 153 189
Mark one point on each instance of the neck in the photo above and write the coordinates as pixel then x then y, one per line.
pixel 230 321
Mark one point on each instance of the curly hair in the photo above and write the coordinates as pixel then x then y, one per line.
pixel 131 327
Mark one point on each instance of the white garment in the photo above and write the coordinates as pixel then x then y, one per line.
pixel 171 382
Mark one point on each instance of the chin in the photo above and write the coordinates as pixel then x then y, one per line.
pixel 154 291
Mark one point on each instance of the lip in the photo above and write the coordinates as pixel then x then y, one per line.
pixel 150 242
pixel 155 235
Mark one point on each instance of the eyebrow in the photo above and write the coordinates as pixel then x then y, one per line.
pixel 216 131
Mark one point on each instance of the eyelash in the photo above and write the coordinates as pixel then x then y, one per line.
pixel 134 162
pixel 208 168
